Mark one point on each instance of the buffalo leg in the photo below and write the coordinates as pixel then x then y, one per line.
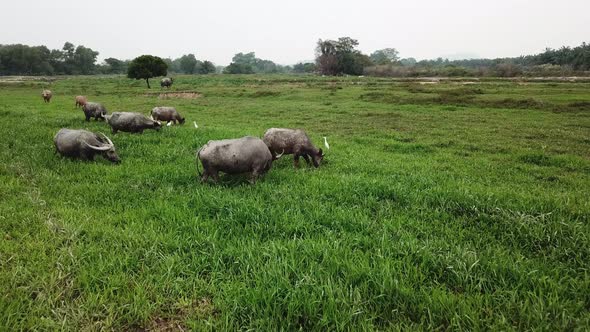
pixel 205 177
pixel 296 160
pixel 87 155
pixel 306 157
pixel 209 173
pixel 215 176
pixel 253 177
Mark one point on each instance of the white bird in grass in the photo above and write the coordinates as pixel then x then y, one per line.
pixel 326 143
pixel 195 123
pixel 169 124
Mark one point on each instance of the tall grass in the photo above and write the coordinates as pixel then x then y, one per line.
pixel 425 215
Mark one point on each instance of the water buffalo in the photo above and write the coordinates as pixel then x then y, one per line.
pixel 167 114
pixel 94 110
pixel 292 141
pixel 84 144
pixel 81 101
pixel 166 82
pixel 131 122
pixel 46 94
pixel 234 156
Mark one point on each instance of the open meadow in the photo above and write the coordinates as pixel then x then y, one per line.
pixel 440 205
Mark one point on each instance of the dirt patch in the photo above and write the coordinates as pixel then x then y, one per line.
pixel 40 82
pixel 21 79
pixel 162 324
pixel 176 95
pixel 202 309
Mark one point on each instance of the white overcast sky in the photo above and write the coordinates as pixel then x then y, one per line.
pixel 286 31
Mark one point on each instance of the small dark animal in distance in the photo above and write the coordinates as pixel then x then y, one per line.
pixel 46 94
pixel 166 82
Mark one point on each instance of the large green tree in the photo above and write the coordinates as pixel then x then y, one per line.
pixel 207 67
pixel 116 66
pixel 248 63
pixel 336 57
pixel 145 67
pixel 307 67
pixel 84 60
pixel 188 64
pixel 236 68
pixel 385 56
pixel 245 59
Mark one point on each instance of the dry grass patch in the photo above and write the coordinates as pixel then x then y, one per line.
pixel 175 95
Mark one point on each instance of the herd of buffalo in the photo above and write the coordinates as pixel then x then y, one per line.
pixel 232 156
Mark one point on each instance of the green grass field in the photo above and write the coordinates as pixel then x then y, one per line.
pixel 439 206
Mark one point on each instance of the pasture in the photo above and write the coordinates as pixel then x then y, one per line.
pixel 439 206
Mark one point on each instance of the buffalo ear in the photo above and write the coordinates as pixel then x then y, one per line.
pixel 321 152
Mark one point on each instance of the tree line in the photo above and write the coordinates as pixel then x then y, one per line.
pixel 248 63
pixel 18 59
pixel 332 57
pixel 341 57
pixel 39 60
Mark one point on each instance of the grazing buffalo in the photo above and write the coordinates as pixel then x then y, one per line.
pixel 234 156
pixel 131 122
pixel 84 144
pixel 167 114
pixel 46 94
pixel 94 110
pixel 81 101
pixel 166 82
pixel 292 141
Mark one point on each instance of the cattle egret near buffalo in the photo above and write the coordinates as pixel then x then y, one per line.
pixel 326 143
pixel 169 124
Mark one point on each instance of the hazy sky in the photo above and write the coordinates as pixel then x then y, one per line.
pixel 287 31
